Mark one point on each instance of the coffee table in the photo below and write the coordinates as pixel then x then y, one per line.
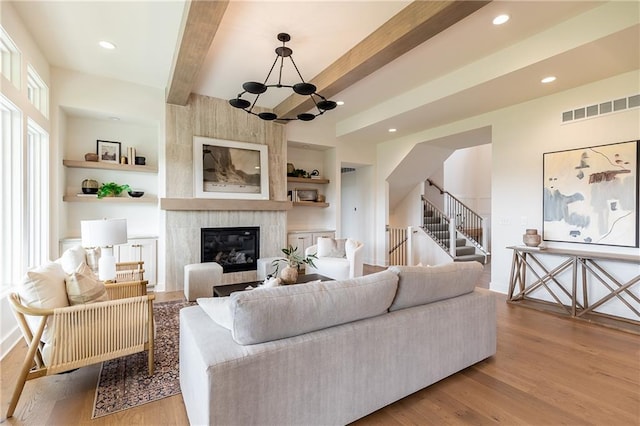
pixel 226 290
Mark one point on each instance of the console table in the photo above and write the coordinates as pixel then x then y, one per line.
pixel 579 265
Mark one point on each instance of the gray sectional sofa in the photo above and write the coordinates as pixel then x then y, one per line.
pixel 328 353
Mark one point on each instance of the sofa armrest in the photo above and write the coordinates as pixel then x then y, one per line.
pixel 311 250
pixel 355 258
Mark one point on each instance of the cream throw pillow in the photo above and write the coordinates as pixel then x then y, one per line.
pixel 43 287
pixel 84 287
pixel 71 259
pixel 330 247
pixel 218 309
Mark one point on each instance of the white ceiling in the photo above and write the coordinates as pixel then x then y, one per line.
pixel 146 33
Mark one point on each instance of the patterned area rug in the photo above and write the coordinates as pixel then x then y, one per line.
pixel 124 382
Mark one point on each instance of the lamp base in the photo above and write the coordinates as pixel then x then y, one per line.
pixel 107 265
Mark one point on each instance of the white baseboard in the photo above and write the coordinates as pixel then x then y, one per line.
pixel 9 341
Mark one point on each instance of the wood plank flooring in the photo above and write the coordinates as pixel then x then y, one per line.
pixel 547 371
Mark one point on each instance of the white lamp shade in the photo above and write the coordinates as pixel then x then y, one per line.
pixel 103 232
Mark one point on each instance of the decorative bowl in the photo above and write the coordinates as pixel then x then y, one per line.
pixel 136 193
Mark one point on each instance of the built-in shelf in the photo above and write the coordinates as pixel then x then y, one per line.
pixel 310 204
pixel 109 166
pixel 306 180
pixel 82 199
pixel 194 204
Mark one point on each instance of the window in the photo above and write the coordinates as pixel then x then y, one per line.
pixel 9 58
pixel 11 171
pixel 37 91
pixel 36 228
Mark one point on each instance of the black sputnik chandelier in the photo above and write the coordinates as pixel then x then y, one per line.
pixel 303 88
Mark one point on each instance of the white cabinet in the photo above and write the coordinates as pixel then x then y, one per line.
pixel 145 249
pixel 304 239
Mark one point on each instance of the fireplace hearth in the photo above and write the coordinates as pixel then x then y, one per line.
pixel 236 249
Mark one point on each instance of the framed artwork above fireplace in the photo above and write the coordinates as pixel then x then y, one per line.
pixel 230 170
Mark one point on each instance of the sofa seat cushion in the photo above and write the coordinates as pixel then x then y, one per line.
pixel 266 314
pixel 419 285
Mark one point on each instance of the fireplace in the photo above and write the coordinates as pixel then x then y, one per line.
pixel 235 249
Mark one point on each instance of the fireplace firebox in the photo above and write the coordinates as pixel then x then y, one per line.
pixel 235 249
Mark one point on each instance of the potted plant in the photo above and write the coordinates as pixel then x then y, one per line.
pixel 289 274
pixel 112 189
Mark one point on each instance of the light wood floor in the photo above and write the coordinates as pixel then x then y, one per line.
pixel 547 371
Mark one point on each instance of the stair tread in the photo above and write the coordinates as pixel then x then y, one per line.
pixel 470 258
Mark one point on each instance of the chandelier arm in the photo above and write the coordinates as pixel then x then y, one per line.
pixel 269 74
pixel 296 67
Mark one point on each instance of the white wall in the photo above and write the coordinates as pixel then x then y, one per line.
pixel 467 176
pixel 520 136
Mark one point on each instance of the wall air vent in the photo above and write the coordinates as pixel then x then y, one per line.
pixel 605 107
pixel 347 170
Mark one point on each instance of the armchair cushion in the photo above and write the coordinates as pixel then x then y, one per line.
pixel 43 287
pixel 84 287
pixel 330 247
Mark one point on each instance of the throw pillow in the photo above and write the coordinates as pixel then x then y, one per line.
pixel 218 309
pixel 71 259
pixel 330 247
pixel 43 287
pixel 84 287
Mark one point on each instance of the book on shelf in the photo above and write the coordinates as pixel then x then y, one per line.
pixel 81 194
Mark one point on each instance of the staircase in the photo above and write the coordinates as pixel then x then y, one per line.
pixel 461 227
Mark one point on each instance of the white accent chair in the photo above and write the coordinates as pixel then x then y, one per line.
pixel 337 259
pixel 199 279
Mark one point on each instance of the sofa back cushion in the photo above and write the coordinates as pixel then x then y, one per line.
pixel 419 285
pixel 266 314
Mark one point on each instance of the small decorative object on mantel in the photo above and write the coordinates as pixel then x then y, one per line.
pixel 531 238
pixel 289 274
pixel 291 169
pixel 141 161
pixel 91 156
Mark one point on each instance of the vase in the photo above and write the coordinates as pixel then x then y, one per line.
pixel 531 238
pixel 90 186
pixel 289 275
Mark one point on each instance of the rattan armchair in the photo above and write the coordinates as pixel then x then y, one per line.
pixel 86 334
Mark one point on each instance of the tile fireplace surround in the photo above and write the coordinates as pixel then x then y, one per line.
pixel 184 215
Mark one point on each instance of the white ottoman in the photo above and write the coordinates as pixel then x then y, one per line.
pixel 266 267
pixel 199 279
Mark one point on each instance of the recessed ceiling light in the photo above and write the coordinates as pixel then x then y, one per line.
pixel 392 130
pixel 107 45
pixel 549 79
pixel 500 19
pixel 340 103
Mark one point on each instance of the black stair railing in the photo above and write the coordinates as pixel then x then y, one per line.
pixel 466 221
pixel 441 232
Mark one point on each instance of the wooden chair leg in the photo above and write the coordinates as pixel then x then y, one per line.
pixel 22 378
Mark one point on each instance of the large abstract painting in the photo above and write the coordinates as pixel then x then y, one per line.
pixel 591 195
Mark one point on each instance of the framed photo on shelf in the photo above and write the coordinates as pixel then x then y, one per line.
pixel 229 169
pixel 306 194
pixel 108 151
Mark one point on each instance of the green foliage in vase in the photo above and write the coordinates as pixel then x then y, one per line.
pixel 112 189
pixel 294 259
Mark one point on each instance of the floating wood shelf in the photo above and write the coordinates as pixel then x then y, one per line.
pixel 306 180
pixel 310 204
pixel 81 199
pixel 109 166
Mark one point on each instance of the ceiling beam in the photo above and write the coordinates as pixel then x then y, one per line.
pixel 200 22
pixel 410 27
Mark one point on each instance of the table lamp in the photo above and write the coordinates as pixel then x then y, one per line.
pixel 104 233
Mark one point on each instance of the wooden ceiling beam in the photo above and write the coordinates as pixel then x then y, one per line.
pixel 410 27
pixel 200 23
